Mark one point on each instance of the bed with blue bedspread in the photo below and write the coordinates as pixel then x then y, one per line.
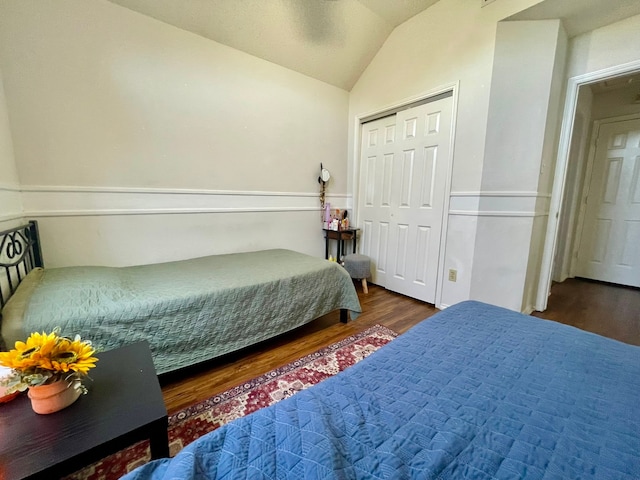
pixel 475 391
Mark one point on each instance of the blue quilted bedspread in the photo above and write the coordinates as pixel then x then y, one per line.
pixel 473 392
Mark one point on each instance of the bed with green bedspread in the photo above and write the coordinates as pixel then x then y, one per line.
pixel 190 311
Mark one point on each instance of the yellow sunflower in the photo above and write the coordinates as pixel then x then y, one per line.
pixel 29 354
pixel 75 356
pixel 46 358
pixel 14 360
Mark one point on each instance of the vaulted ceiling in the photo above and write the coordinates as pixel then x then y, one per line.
pixel 330 40
pixel 335 40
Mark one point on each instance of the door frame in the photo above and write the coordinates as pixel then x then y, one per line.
pixel 560 174
pixel 357 139
pixel 595 131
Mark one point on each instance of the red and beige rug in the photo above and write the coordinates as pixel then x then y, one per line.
pixel 193 422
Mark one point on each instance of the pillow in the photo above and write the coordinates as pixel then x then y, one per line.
pixel 14 309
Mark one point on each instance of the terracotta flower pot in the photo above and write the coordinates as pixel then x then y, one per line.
pixel 53 397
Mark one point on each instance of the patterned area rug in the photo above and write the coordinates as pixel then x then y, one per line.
pixel 193 422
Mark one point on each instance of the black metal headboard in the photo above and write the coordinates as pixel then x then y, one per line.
pixel 19 253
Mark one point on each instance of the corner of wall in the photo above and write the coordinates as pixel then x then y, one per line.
pixel 10 198
pixel 520 142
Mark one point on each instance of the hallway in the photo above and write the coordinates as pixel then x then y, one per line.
pixel 606 309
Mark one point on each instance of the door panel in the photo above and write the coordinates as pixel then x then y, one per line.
pixel 402 196
pixel 608 248
pixel 376 174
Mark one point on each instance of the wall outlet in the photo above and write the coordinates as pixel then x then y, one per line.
pixel 453 275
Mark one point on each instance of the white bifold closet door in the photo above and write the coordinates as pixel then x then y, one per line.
pixel 610 243
pixel 403 170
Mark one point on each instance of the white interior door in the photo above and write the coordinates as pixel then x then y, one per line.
pixel 610 243
pixel 377 158
pixel 404 164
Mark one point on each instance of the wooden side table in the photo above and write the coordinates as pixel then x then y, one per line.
pixel 124 405
pixel 340 236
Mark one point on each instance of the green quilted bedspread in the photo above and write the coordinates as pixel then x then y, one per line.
pixel 190 310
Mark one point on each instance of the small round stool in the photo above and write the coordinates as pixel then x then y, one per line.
pixel 359 268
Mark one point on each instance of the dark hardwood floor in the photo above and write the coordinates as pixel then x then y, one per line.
pixel 379 306
pixel 609 310
pixel 604 309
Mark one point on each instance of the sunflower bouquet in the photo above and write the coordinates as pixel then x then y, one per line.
pixel 47 358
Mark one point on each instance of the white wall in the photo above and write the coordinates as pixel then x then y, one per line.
pixel 452 41
pixel 113 113
pixel 528 75
pixel 10 201
pixel 548 157
pixel 525 66
pixel 141 239
pixel 609 46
